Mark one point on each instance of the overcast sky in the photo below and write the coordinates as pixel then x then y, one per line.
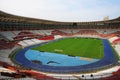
pixel 63 10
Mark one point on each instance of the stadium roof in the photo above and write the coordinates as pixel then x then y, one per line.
pixel 63 10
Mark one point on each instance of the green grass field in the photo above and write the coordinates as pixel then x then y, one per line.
pixel 84 47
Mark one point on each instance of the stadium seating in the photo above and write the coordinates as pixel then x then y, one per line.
pixel 116 41
pixel 33 41
pixel 58 32
pixel 21 33
pixel 85 32
pixel 8 35
pixel 115 76
pixel 47 38
pixel 24 35
pixel 6 44
pixel 117 48
pixel 113 39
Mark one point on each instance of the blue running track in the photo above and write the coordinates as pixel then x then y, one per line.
pixel 108 60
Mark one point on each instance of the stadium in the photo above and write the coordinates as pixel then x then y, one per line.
pixel 41 49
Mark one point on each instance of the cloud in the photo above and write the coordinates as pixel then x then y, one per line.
pixel 63 10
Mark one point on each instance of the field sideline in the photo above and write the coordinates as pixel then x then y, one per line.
pixel 84 47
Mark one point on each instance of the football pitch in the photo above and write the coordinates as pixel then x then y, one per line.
pixel 83 47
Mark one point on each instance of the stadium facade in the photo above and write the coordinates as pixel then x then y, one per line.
pixel 13 22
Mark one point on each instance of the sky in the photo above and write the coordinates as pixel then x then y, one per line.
pixel 63 10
